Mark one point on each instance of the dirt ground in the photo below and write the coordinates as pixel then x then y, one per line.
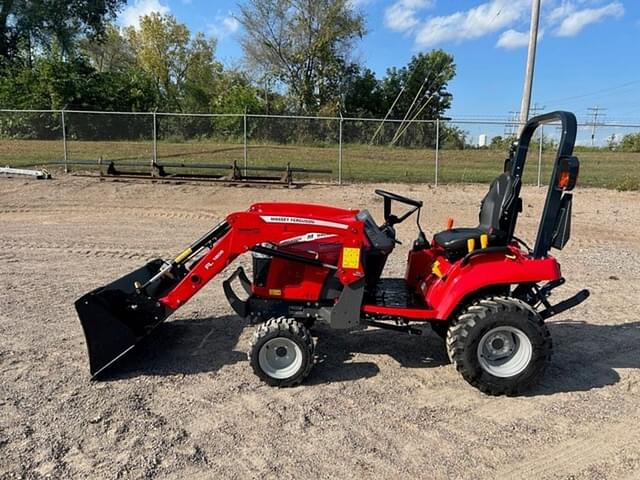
pixel 381 404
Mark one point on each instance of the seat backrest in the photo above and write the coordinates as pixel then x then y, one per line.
pixel 496 208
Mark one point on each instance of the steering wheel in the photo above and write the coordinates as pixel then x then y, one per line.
pixel 391 219
pixel 399 198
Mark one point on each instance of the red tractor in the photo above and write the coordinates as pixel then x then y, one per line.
pixel 481 288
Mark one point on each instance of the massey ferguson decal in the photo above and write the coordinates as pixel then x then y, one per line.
pixel 303 221
pixel 308 237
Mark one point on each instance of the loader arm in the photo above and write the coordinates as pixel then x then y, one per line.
pixel 267 224
pixel 117 316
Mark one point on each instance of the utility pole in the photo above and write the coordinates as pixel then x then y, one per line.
pixel 595 112
pixel 531 60
pixel 537 108
pixel 534 111
pixel 511 127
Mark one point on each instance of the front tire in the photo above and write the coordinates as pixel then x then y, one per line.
pixel 281 352
pixel 500 345
pixel 440 328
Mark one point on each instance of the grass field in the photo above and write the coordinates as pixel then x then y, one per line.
pixel 360 162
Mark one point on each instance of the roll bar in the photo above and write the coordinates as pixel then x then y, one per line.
pixel 565 147
pixel 555 223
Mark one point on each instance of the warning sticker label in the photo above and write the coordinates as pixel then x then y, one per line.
pixel 350 257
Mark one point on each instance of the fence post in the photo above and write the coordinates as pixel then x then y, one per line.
pixel 437 148
pixel 64 141
pixel 340 151
pixel 540 153
pixel 154 159
pixel 244 128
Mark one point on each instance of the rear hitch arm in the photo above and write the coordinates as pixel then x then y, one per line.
pixel 570 302
pixel 532 294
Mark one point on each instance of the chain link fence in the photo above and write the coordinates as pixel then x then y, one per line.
pixel 354 149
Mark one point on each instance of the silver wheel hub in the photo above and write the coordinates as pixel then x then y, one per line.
pixel 504 351
pixel 280 358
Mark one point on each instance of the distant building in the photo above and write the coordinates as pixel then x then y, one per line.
pixel 482 140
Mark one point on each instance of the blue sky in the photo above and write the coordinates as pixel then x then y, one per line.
pixel 587 54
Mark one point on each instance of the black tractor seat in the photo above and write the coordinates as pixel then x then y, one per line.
pixel 498 213
pixel 456 238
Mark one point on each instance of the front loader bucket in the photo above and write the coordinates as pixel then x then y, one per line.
pixel 116 317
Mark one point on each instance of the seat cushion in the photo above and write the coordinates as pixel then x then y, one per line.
pixel 456 238
pixel 454 241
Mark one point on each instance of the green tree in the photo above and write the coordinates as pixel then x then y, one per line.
pixel 453 138
pixel 183 68
pixel 303 44
pixel 29 26
pixel 502 143
pixel 425 80
pixel 52 83
pixel 630 142
pixel 362 93
pixel 112 53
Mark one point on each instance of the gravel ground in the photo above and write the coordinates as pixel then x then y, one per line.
pixel 382 404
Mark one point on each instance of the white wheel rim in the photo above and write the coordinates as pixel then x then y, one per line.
pixel 280 358
pixel 504 351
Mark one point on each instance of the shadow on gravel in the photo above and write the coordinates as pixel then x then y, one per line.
pixel 184 346
pixel 585 356
pixel 335 351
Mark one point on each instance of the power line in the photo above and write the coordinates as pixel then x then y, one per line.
pixel 537 108
pixel 597 92
pixel 410 108
pixel 386 116
pixel 511 125
pixel 429 91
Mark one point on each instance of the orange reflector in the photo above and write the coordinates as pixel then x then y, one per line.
pixel 449 223
pixel 563 179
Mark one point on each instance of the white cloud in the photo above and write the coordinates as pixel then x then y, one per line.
pixel 578 19
pixel 401 16
pixel 510 17
pixel 130 16
pixel 511 39
pixel 560 12
pixel 476 22
pixel 223 26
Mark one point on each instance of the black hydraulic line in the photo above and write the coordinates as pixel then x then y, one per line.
pixel 273 252
pixel 207 240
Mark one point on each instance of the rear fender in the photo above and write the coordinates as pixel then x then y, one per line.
pixel 483 271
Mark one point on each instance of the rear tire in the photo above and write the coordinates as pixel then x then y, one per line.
pixel 500 345
pixel 281 352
